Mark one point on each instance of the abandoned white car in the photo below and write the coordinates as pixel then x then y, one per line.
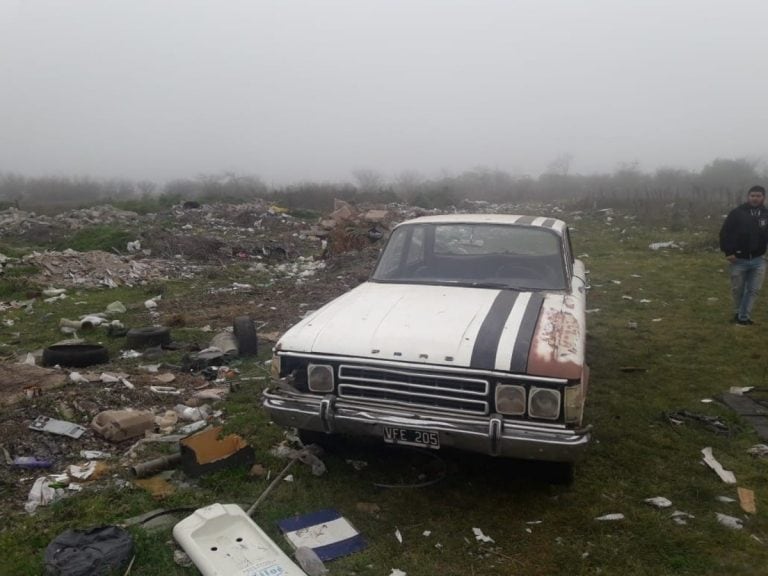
pixel 469 334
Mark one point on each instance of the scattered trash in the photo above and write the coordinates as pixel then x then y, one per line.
pixel 119 425
pixel 44 491
pixel 205 452
pixel 706 400
pixel 45 424
pixel 754 413
pixel 85 472
pixel 725 475
pixel 729 521
pixel 75 355
pixel 659 502
pixel 681 518
pixel 77 378
pixel 396 572
pixel 288 478
pixel 398 536
pixel 116 307
pixel 427 533
pixel 192 414
pixel 100 550
pixel 610 517
pixel 94 455
pixel 632 325
pixel 241 546
pixel 660 245
pixel 758 450
pixel 145 469
pixel 194 427
pixel 326 532
pixel 747 500
pixel 309 561
pixel 725 499
pixel 166 378
pixel 712 423
pixel 165 390
pixel 480 537
pixel 31 462
pixel 740 390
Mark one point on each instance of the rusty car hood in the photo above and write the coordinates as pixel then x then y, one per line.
pixel 477 328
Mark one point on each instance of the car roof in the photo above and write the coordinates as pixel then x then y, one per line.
pixel 516 219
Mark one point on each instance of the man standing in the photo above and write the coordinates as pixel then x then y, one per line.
pixel 743 238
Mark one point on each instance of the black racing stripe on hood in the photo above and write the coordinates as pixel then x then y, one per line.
pixel 487 341
pixel 526 220
pixel 525 334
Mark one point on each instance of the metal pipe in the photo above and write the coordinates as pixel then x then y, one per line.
pixel 150 467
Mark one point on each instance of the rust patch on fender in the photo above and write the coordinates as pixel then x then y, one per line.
pixel 557 348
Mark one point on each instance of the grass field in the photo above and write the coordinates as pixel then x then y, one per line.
pixel 664 313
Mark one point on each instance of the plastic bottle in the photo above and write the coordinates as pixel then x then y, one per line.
pixel 31 462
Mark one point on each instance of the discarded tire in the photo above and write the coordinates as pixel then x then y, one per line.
pixel 99 551
pixel 245 333
pixel 75 355
pixel 138 338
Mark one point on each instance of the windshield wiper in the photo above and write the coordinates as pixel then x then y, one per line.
pixel 503 286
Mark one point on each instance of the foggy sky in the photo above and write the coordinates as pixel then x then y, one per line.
pixel 295 90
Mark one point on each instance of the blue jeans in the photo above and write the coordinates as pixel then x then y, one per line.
pixel 747 277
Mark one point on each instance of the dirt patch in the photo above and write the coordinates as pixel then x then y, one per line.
pixel 19 381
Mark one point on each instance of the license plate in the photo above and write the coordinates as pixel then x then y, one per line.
pixel 409 437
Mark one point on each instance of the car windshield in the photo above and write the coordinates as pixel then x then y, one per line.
pixel 483 255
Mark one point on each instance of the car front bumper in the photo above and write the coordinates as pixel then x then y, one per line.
pixel 491 435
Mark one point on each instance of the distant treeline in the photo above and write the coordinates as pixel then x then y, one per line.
pixel 723 181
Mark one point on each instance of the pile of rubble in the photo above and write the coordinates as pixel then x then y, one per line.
pixel 94 269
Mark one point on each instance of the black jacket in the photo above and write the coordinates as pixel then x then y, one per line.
pixel 745 232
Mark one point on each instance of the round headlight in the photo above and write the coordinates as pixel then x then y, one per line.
pixel 510 400
pixel 544 403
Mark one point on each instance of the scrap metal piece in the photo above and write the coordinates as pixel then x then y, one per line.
pixel 45 424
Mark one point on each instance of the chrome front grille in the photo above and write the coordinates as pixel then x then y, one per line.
pixel 411 388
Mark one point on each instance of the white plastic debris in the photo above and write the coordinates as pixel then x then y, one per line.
pixel 740 390
pixel 396 572
pixel 130 354
pixel 134 246
pixel 725 499
pixel 681 518
pixel 706 400
pixel 29 359
pixel 660 245
pixel 152 368
pixel 54 291
pixel 645 301
pixel 427 533
pixel 289 478
pixel 194 427
pixel 725 475
pixel 190 413
pixel 758 450
pixel 127 383
pixel 166 390
pixel 730 521
pixel 151 304
pixel 480 537
pixel 82 472
pixel 659 502
pixel 116 307
pixel 610 517
pixel 108 378
pixel 55 298
pixel 627 297
pixel 77 378
pixel 94 454
pixel 41 493
pixel 398 536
